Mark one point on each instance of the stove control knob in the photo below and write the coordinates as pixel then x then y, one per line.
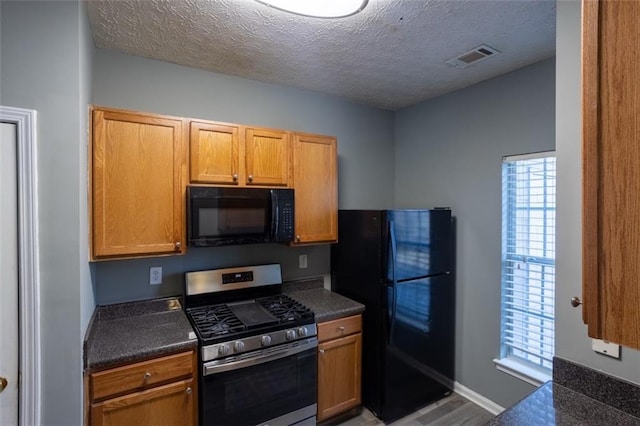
pixel 302 331
pixel 223 350
pixel 265 341
pixel 290 334
pixel 238 346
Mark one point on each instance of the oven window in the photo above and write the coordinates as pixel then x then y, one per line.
pixel 259 393
pixel 260 389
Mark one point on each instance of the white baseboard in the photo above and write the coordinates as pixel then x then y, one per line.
pixel 476 398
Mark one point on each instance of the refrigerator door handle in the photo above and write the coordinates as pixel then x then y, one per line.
pixel 394 282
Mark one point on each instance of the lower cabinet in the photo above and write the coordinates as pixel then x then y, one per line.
pixel 159 391
pixel 339 366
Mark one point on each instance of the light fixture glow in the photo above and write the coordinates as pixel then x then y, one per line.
pixel 318 8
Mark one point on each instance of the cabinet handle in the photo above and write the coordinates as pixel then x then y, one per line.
pixel 575 301
pixel 3 383
pixel 188 391
pixel 177 246
pixel 146 376
pixel 321 351
pixel 341 328
pixel 250 178
pixel 235 177
pixel 297 238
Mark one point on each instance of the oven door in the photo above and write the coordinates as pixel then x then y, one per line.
pixel 276 387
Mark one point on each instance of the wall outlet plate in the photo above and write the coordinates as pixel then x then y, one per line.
pixel 302 261
pixel 606 348
pixel 155 275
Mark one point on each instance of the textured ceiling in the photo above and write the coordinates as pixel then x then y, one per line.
pixel 390 55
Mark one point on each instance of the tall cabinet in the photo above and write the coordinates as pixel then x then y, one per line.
pixel 611 170
pixel 315 177
pixel 137 168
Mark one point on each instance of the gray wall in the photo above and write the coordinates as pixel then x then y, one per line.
pixel 365 150
pixel 448 153
pixel 41 44
pixel 572 342
pixel 86 49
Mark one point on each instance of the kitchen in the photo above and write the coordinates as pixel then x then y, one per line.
pixel 49 64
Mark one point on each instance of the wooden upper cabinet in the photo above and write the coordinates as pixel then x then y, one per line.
pixel 268 157
pixel 611 170
pixel 214 153
pixel 226 154
pixel 315 174
pixel 137 167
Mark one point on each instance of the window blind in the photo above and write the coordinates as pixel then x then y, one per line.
pixel 528 258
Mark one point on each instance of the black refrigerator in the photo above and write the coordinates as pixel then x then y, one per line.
pixel 400 265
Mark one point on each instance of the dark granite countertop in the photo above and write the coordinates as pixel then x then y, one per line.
pixel 130 332
pixel 553 404
pixel 325 304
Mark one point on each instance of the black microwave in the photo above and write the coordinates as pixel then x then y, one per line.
pixel 219 216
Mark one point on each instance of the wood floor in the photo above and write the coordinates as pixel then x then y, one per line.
pixel 449 411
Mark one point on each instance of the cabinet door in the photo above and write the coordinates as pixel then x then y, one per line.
pixel 268 157
pixel 171 405
pixel 611 170
pixel 339 375
pixel 214 153
pixel 315 164
pixel 137 175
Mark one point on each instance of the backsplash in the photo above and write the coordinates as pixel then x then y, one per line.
pixel 620 394
pixel 120 281
pixel 304 284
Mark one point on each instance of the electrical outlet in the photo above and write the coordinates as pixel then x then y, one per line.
pixel 302 261
pixel 155 275
pixel 606 348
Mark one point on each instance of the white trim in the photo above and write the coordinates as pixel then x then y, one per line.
pixel 478 399
pixel 522 371
pixel 529 156
pixel 29 279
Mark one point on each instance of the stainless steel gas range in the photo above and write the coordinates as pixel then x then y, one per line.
pixel 257 348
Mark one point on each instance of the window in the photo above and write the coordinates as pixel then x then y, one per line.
pixel 528 266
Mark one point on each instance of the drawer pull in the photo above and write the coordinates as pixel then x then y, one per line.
pixel 146 376
pixel 188 391
pixel 341 328
pixel 321 351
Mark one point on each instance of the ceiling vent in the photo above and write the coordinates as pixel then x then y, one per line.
pixel 473 56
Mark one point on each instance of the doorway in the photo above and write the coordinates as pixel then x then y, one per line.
pixel 8 275
pixel 19 279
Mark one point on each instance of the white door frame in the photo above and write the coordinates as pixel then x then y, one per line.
pixel 28 261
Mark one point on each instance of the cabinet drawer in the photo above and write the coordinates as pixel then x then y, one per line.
pixel 339 328
pixel 120 380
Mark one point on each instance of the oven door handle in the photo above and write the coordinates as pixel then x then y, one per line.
pixel 292 349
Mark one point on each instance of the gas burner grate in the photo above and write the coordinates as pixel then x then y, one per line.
pixel 215 320
pixel 285 308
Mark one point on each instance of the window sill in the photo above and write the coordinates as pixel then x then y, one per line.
pixel 521 371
